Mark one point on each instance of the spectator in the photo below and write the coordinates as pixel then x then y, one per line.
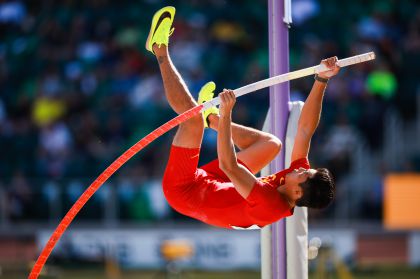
pixel 20 198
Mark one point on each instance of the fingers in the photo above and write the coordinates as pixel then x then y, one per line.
pixel 227 96
pixel 333 68
pixel 331 63
pixel 227 101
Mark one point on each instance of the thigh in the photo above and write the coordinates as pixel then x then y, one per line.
pixel 258 155
pixel 181 168
pixel 179 180
pixel 190 133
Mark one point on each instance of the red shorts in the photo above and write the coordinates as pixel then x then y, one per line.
pixel 182 166
pixel 180 177
pixel 187 187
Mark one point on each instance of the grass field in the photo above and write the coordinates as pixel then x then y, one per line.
pixel 385 273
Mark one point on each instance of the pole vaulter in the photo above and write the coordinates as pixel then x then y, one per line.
pixel 127 155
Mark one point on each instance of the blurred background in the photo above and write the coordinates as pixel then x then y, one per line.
pixel 78 88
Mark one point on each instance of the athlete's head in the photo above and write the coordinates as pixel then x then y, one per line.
pixel 317 190
pixel 310 187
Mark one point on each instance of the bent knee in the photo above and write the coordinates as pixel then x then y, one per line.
pixel 274 144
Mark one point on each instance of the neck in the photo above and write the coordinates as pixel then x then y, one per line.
pixel 283 192
pixel 290 201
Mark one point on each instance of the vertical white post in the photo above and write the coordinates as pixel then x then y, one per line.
pixel 296 225
pixel 266 272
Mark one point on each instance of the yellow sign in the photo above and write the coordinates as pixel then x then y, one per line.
pixel 402 201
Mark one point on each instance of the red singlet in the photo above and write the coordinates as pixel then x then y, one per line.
pixel 207 194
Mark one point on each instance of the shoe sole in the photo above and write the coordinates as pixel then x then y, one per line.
pixel 157 19
pixel 211 85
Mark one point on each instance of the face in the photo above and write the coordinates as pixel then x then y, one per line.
pixel 299 175
pixel 294 178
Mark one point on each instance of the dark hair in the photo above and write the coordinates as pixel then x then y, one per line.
pixel 318 191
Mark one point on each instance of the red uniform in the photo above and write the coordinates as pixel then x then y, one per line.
pixel 208 195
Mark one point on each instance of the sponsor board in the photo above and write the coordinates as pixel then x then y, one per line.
pixel 212 249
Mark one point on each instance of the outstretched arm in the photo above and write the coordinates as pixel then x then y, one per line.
pixel 311 111
pixel 242 178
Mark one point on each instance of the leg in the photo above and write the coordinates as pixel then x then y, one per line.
pixel 190 133
pixel 257 148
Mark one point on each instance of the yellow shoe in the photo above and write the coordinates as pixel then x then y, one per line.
pixel 206 94
pixel 160 30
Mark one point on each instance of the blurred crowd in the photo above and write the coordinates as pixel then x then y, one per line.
pixel 77 88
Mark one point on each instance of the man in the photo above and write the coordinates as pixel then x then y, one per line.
pixel 225 192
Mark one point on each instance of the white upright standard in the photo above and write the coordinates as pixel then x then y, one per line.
pixel 296 225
